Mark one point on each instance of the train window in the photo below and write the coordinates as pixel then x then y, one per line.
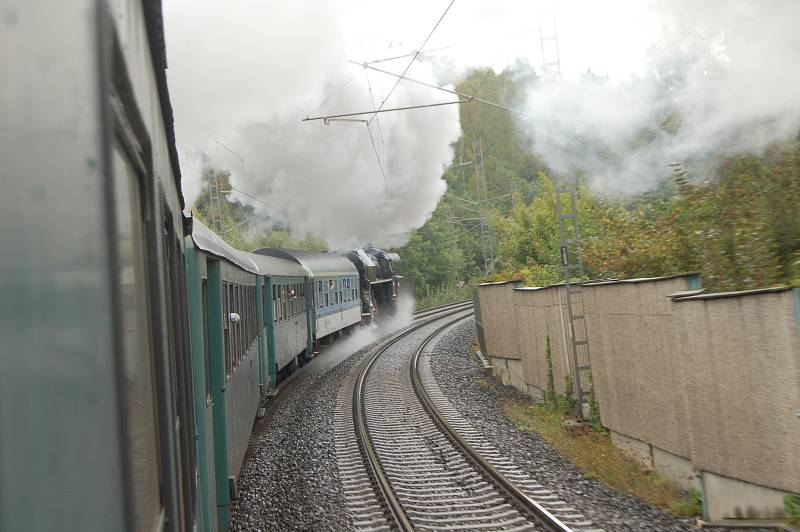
pixel 274 303
pixel 235 326
pixel 249 315
pixel 245 319
pixel 238 325
pixel 263 306
pixel 206 332
pixel 138 363
pixel 226 309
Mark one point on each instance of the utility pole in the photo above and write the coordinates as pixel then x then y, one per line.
pixel 452 235
pixel 569 233
pixel 548 41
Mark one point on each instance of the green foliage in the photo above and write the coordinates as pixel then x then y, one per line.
pixel 568 402
pixel 792 505
pixel 550 392
pixel 432 256
pixel 594 410
pixel 691 505
pixel 442 295
pixel 741 231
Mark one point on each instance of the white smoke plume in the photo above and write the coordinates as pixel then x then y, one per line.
pixel 726 73
pixel 245 73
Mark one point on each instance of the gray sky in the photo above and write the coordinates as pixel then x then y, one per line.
pixel 245 72
pixel 235 61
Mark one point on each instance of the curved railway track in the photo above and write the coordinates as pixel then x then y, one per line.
pixel 408 460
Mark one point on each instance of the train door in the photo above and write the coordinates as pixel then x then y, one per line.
pixel 180 370
pixel 145 460
pixel 131 184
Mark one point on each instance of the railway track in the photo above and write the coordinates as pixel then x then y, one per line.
pixel 408 460
pixel 443 308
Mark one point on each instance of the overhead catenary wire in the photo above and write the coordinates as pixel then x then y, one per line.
pixel 268 204
pixel 448 47
pixel 405 71
pixel 380 131
pixel 375 149
pixel 241 159
pixel 333 94
pixel 470 97
pixel 392 109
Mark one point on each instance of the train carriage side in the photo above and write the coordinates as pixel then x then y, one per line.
pixel 241 337
pixel 286 316
pixel 96 406
pixel 334 292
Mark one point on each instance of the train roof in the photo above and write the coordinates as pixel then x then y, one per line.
pixel 208 241
pixel 318 263
pixel 154 23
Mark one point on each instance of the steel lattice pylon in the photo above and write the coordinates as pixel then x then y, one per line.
pixel 214 205
pixel 483 206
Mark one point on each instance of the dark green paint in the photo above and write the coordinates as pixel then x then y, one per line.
pixel 693 281
pixel 193 282
pixel 309 290
pixel 217 346
pixel 271 364
pixel 262 358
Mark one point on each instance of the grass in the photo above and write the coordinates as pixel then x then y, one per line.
pixel 599 459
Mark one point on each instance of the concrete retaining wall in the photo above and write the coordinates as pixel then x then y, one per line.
pixel 702 387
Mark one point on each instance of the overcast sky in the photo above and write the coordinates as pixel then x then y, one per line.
pixel 244 72
pixel 237 60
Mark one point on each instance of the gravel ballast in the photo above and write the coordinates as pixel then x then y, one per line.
pixel 289 480
pixel 457 371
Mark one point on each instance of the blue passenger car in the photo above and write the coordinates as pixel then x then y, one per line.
pixel 335 295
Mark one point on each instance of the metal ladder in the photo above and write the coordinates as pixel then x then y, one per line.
pixel 572 266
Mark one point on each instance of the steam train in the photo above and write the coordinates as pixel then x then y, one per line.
pixel 138 345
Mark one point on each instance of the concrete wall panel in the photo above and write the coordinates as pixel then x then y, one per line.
pixel 499 320
pixel 634 361
pixel 743 387
pixel 707 382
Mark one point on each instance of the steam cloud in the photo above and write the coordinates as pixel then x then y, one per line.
pixel 264 66
pixel 725 73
